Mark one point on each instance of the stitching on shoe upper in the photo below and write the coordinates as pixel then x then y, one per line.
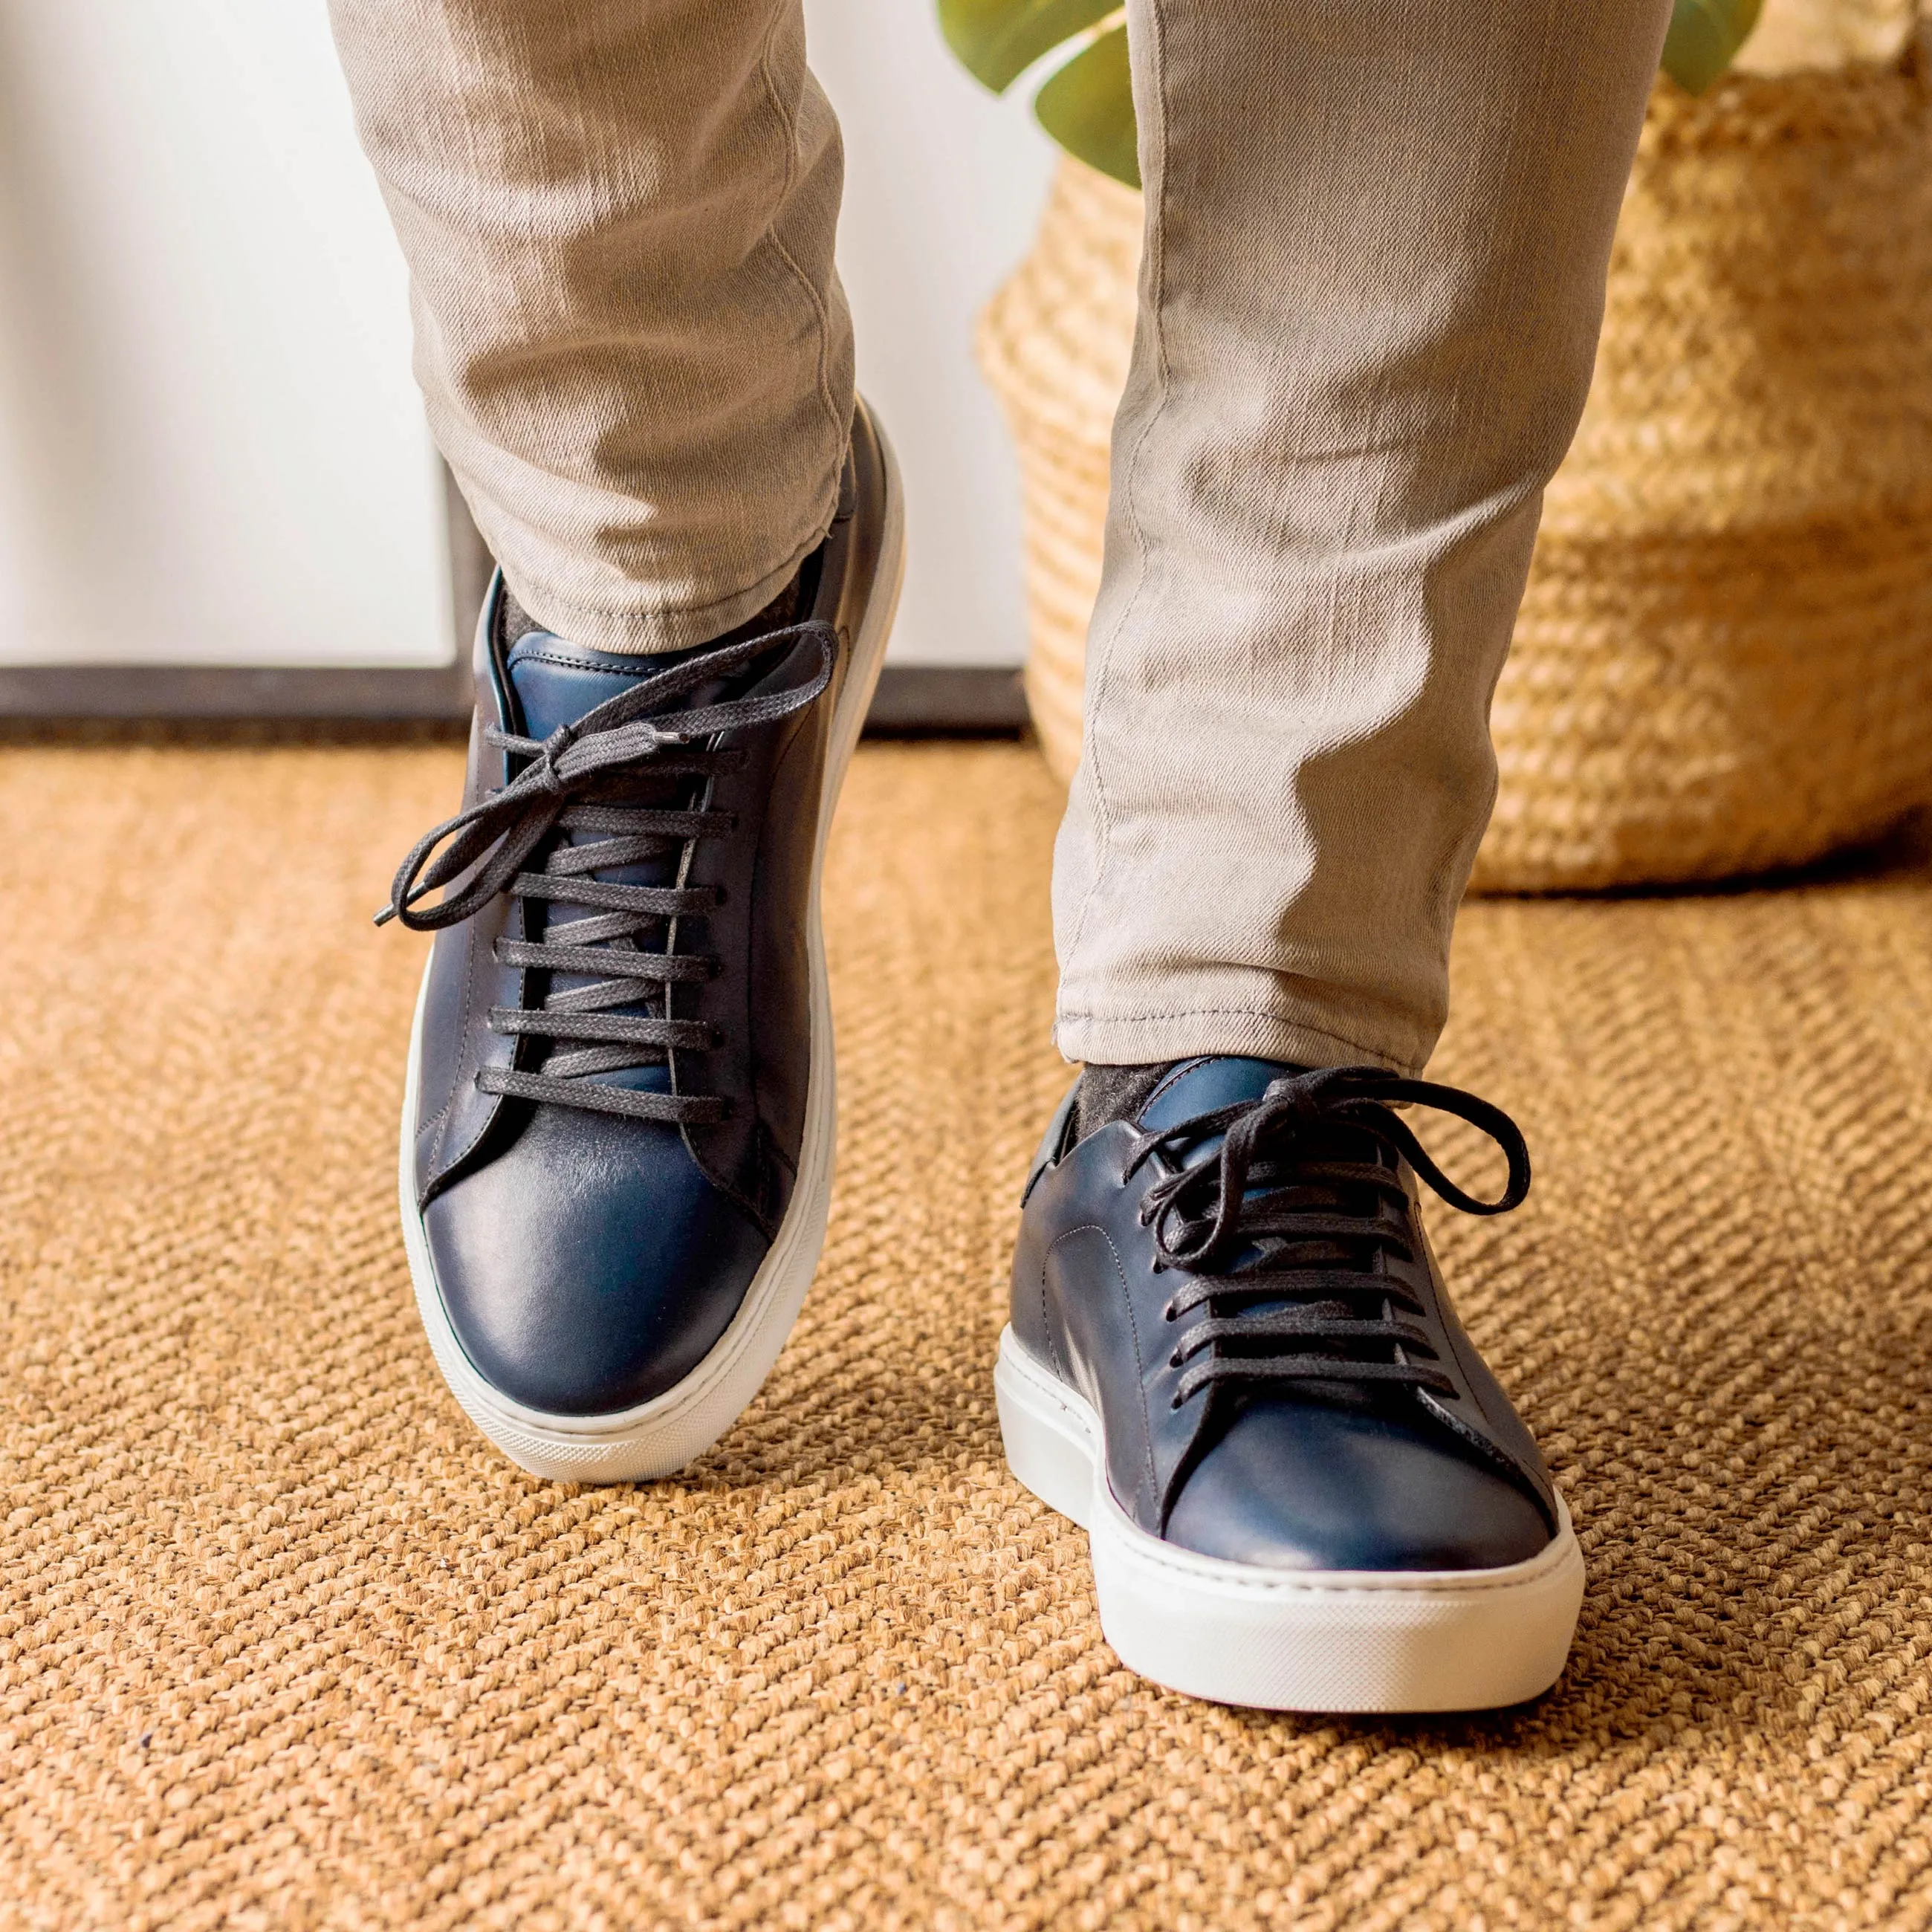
pixel 468 1064
pixel 577 664
pixel 471 1063
pixel 798 736
pixel 434 1126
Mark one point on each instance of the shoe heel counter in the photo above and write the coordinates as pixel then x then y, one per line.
pixel 1027 1302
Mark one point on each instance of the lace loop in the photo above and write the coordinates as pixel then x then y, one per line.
pixel 1288 1231
pixel 626 785
pixel 498 832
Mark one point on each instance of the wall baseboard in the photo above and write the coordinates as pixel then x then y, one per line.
pixel 912 700
pixel 964 699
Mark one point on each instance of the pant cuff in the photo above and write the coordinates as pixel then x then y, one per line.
pixel 647 632
pixel 1145 1039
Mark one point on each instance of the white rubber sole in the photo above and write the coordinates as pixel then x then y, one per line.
pixel 1288 1640
pixel 659 1437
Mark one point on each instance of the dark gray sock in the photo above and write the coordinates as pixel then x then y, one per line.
pixel 781 610
pixel 1115 1094
pixel 515 620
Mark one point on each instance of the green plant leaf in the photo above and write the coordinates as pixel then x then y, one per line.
pixel 1088 108
pixel 997 40
pixel 1704 39
pixel 1087 105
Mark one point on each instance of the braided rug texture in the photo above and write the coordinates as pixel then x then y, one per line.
pixel 283 1643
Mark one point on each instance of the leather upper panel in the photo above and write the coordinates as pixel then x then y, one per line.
pixel 761 1007
pixel 453 1114
pixel 588 1261
pixel 588 1266
pixel 764 1013
pixel 1312 1486
pixel 1301 1476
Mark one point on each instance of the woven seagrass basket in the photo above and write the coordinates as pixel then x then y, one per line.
pixel 1723 662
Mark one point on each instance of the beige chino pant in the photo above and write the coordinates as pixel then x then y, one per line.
pixel 1377 236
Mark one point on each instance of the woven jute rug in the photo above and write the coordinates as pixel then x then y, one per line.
pixel 283 1643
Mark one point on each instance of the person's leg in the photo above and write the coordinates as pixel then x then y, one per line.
pixel 619 218
pixel 1377 236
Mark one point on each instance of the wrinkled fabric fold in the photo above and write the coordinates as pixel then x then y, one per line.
pixel 619 218
pixel 1377 237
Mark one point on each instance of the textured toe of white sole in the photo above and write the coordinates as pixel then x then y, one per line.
pixel 1327 1641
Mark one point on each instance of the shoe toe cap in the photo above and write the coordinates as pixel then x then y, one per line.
pixel 590 1266
pixel 1303 1486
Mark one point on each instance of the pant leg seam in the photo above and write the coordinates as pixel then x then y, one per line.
pixel 840 431
pixel 1156 274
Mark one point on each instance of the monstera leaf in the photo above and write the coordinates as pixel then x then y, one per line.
pixel 1704 39
pixel 1087 102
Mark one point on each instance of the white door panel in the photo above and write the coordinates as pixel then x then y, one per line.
pixel 943 184
pixel 212 450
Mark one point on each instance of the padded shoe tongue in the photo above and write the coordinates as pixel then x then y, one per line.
pixel 557 683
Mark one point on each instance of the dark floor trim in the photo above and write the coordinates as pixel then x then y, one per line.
pixel 966 699
pixel 185 693
pixel 911 700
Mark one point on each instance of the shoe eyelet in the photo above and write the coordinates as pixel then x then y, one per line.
pixel 1174 1361
pixel 1167 1314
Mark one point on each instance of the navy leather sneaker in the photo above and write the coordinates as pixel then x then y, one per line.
pixel 1232 1360
pixel 617 1134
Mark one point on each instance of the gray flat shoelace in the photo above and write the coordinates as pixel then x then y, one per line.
pixel 1283 1231
pixel 519 840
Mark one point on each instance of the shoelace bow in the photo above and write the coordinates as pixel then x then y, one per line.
pixel 573 783
pixel 1276 1214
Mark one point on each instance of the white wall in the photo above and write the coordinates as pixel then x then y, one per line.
pixel 943 184
pixel 211 450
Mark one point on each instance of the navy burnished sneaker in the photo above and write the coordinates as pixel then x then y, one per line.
pixel 1232 1360
pixel 618 1130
